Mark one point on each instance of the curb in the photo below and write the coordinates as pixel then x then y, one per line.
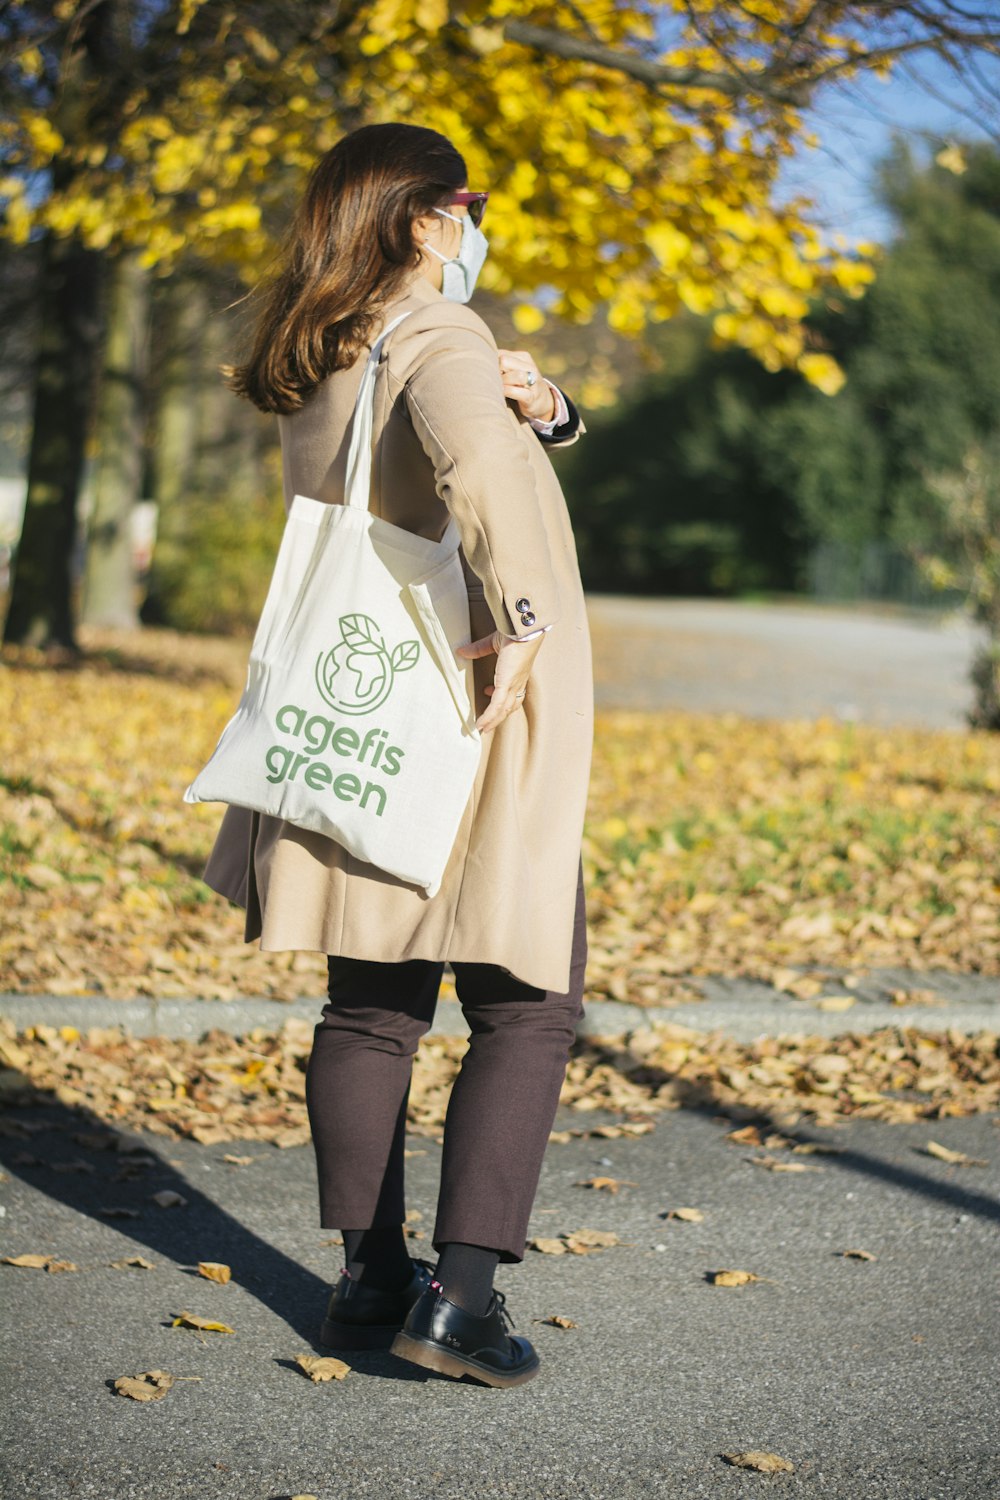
pixel 742 1009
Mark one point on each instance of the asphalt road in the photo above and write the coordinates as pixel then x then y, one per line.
pixel 876 1379
pixel 783 660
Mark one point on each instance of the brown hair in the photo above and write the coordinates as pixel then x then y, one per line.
pixel 348 249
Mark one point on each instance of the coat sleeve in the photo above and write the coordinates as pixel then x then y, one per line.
pixel 455 400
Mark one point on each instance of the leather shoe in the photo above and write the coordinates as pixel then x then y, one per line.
pixel 367 1317
pixel 440 1335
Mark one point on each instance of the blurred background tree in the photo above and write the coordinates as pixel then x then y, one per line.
pixel 716 477
pixel 153 152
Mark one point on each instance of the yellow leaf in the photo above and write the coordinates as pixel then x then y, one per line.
pixel 201 1325
pixel 822 371
pixel 762 1461
pixel 956 1158
pixel 527 318
pixel 733 1278
pixel 686 1215
pixel 152 1385
pixel 322 1367
pixel 214 1270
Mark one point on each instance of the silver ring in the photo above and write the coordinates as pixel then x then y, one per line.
pixel 520 694
pixel 530 378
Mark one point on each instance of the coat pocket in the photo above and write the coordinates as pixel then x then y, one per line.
pixel 442 603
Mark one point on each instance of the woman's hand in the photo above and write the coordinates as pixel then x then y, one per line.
pixel 513 668
pixel 536 400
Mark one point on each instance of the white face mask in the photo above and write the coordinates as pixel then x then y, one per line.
pixel 459 274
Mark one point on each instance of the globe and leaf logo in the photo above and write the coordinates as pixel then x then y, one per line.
pixel 357 675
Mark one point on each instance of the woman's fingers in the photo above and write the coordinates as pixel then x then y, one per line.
pixel 482 647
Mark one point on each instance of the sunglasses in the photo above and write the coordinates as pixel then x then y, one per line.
pixel 476 204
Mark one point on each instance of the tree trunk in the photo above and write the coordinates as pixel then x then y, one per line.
pixel 40 611
pixel 109 594
pixel 179 315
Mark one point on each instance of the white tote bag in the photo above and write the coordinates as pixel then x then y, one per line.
pixel 357 720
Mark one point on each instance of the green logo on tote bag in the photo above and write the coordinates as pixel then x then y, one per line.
pixel 357 675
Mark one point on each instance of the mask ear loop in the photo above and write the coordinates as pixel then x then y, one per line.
pixel 426 246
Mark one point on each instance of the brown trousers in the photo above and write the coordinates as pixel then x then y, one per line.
pixel 500 1110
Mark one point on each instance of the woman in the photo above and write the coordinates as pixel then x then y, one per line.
pixel 461 428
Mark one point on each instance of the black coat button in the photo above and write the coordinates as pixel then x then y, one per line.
pixel 527 618
pixel 522 604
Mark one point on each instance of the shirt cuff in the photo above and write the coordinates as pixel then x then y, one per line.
pixel 561 414
pixel 529 637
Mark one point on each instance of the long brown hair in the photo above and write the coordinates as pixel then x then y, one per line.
pixel 348 249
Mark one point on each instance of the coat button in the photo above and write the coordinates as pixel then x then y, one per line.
pixel 527 618
pixel 522 604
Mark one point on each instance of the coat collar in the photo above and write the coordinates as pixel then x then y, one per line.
pixel 421 289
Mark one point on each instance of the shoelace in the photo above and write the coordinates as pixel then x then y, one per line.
pixel 506 1321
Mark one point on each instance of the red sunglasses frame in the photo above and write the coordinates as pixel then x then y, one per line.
pixel 475 202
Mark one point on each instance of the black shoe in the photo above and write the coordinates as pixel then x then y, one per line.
pixel 442 1336
pixel 366 1317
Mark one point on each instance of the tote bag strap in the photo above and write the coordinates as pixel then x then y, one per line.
pixel 359 455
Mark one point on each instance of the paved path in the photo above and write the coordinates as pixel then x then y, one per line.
pixel 876 1379
pixel 741 1008
pixel 794 660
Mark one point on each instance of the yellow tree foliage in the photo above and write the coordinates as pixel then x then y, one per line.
pixel 628 180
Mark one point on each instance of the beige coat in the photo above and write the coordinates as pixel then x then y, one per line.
pixel 447 440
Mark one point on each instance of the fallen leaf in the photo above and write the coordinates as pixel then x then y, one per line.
pixel 237 1161
pixel 322 1367
pixel 118 1213
pixel 606 1184
pixel 168 1199
pixel 556 1321
pixel 201 1325
pixel 138 1262
pixel 548 1246
pixel 772 1164
pixel 214 1270
pixel 747 1135
pixel 836 1002
pixel 151 1385
pixel 956 1158
pixel 816 1148
pixel 763 1462
pixel 686 1215
pixel 582 1241
pixel 734 1278
pixel 857 1254
pixel 39 1263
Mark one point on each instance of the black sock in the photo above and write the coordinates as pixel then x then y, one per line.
pixel 378 1257
pixel 466 1273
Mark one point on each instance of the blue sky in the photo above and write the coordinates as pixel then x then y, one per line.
pixel 855 122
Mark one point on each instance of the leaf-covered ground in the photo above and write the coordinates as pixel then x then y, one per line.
pixel 225 1088
pixel 714 844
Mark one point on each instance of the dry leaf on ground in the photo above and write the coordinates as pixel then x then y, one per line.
pixel 548 1246
pixel 39 1263
pixel 151 1385
pixel 214 1270
pixel 606 1184
pixel 685 1215
pixel 201 1325
pixel 555 1321
pixel 133 1262
pixel 734 1278
pixel 955 1158
pixel 857 1254
pixel 762 1461
pixel 774 1164
pixel 168 1199
pixel 322 1367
